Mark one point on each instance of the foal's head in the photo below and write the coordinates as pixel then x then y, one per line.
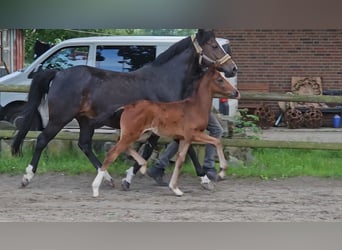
pixel 219 84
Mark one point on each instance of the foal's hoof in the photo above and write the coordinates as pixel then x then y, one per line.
pixel 111 183
pixel 125 185
pixel 176 191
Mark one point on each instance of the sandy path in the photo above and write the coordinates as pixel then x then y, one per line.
pixel 56 197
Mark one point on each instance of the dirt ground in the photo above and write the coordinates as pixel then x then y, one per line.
pixel 60 198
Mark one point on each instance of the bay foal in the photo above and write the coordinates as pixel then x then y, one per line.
pixel 184 120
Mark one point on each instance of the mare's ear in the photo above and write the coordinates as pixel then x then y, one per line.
pixel 202 32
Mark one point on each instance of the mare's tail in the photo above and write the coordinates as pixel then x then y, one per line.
pixel 39 87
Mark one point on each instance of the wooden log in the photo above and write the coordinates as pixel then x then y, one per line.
pixel 245 95
pixel 248 143
pixel 290 98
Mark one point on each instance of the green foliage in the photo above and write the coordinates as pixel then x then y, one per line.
pixel 54 36
pixel 246 124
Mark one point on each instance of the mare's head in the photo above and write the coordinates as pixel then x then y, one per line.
pixel 211 52
pixel 219 84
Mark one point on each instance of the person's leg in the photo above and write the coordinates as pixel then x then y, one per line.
pixel 215 129
pixel 157 171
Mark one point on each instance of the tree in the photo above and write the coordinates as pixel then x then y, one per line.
pixel 54 36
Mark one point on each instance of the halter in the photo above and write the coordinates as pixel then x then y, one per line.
pixel 199 51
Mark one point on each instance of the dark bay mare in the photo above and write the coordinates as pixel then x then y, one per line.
pixel 183 120
pixel 84 93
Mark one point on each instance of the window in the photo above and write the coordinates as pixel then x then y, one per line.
pixel 124 58
pixel 67 57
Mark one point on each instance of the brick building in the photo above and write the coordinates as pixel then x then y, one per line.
pixel 272 57
pixel 11 50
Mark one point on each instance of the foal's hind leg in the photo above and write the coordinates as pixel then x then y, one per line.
pixel 173 185
pixel 85 142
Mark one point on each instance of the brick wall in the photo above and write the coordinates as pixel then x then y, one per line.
pixel 274 56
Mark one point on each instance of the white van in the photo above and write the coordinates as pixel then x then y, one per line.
pixel 101 52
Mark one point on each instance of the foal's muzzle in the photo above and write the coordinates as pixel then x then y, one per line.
pixel 235 94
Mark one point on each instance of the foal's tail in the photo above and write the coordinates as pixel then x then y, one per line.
pixel 111 114
pixel 39 87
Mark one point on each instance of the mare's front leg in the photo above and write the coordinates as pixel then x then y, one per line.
pixel 148 147
pixel 173 185
pixel 85 144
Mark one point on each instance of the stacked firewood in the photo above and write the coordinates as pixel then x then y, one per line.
pixel 294 118
pixel 266 116
pixel 313 118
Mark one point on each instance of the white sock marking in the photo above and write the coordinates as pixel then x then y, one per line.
pixel 97 182
pixel 29 174
pixel 129 175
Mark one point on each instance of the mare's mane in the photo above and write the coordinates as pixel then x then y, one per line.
pixel 173 50
pixel 179 47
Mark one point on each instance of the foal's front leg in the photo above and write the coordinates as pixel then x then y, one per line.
pixel 173 185
pixel 111 156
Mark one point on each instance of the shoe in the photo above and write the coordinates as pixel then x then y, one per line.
pixel 207 184
pixel 157 174
pixel 211 173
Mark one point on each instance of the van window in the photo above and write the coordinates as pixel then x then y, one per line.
pixel 67 57
pixel 124 58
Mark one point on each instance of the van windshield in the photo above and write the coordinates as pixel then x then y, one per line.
pixel 67 57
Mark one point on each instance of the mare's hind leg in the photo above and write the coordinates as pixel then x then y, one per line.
pixel 42 140
pixel 125 183
pixel 148 147
pixel 85 143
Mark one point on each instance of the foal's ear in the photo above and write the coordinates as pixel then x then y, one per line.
pixel 212 69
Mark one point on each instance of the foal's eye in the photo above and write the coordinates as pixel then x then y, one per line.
pixel 219 81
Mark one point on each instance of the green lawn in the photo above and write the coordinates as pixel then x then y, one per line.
pixel 268 163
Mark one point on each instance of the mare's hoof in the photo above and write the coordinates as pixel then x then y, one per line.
pixel 24 182
pixel 125 185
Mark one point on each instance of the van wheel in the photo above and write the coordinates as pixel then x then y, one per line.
pixel 12 113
